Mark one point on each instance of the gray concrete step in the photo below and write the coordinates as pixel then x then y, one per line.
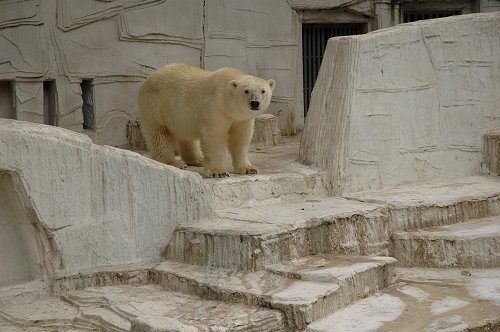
pixel 474 244
pixel 439 202
pixel 263 189
pixel 170 296
pixel 361 224
pixel 251 238
pixel 425 300
pixel 137 308
pixel 305 290
pixel 281 178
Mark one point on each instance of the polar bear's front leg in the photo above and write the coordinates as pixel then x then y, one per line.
pixel 240 136
pixel 213 147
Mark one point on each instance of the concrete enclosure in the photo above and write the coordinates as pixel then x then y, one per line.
pixel 98 238
pixel 405 104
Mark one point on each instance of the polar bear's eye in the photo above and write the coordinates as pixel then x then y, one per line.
pixel 247 91
pixel 263 91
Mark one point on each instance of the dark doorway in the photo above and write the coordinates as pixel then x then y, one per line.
pixel 314 39
pixel 49 103
pixel 7 100
pixel 88 104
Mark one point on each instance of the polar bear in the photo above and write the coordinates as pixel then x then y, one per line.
pixel 200 113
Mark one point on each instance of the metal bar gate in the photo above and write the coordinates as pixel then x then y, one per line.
pixel 314 39
pixel 412 16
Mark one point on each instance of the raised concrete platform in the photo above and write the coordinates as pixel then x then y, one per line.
pixel 281 178
pixel 473 244
pixel 67 204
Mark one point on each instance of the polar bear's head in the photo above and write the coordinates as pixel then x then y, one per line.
pixel 252 95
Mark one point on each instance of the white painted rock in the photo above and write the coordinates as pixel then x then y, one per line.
pixel 405 104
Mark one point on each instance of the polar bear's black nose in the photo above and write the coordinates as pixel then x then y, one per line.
pixel 254 104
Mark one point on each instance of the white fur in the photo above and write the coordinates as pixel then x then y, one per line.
pixel 192 108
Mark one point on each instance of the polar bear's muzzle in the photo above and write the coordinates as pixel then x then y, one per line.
pixel 255 105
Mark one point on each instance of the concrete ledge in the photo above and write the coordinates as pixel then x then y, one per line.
pixel 474 244
pixel 438 202
pixel 253 238
pixel 100 205
pixel 264 189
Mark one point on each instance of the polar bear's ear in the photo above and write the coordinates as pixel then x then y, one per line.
pixel 272 83
pixel 233 84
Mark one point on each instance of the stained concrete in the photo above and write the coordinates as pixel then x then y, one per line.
pixel 425 300
pixel 491 153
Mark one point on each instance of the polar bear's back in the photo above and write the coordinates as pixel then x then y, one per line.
pixel 178 82
pixel 180 96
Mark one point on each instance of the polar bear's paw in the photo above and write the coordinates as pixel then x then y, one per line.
pixel 179 164
pixel 248 169
pixel 216 173
pixel 195 160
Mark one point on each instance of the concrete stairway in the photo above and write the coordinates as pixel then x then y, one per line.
pixel 282 256
pixel 302 257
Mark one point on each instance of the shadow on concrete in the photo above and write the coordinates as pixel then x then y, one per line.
pixel 27 251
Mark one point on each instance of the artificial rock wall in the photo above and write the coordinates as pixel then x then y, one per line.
pixel 405 104
pixel 119 43
pixel 68 205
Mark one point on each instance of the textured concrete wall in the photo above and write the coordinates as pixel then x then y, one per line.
pixel 119 43
pixel 98 205
pixel 258 37
pixel 405 104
